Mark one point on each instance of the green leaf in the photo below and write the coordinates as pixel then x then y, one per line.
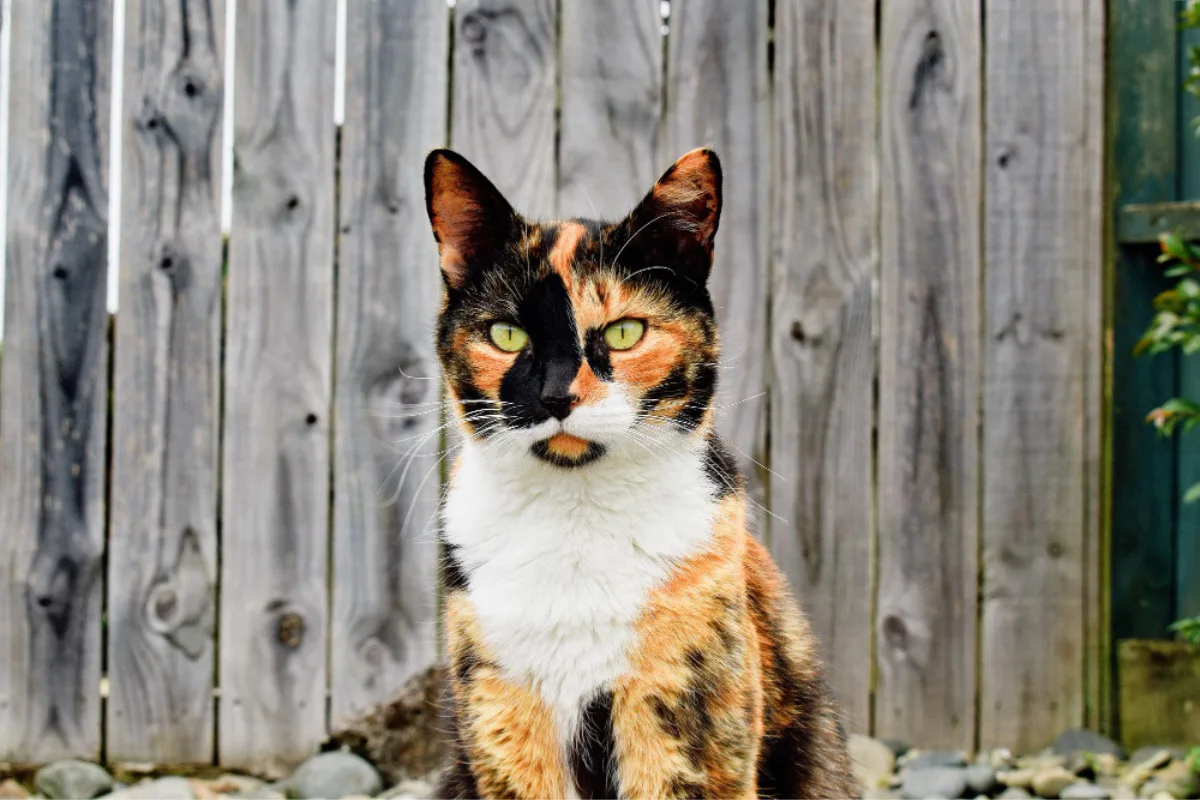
pixel 1192 494
pixel 1181 405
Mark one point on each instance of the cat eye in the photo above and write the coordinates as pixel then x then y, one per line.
pixel 624 334
pixel 507 337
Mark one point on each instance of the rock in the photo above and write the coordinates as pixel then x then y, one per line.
pixel 1177 779
pixel 403 737
pixel 1106 764
pixel 409 790
pixel 997 759
pixel 1014 793
pixel 160 789
pixel 1018 778
pixel 1049 781
pixel 980 779
pixel 938 758
pixel 934 782
pixel 71 779
pixel 880 794
pixel 899 748
pixel 873 761
pixel 1123 792
pixel 1081 740
pixel 233 785
pixel 11 790
pixel 1085 791
pixel 1152 758
pixel 333 775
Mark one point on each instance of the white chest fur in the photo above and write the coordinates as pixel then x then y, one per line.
pixel 561 561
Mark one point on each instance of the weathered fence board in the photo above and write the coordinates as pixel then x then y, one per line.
pixel 928 503
pixel 275 477
pixel 611 79
pixel 388 412
pixel 717 96
pixel 1037 347
pixel 504 96
pixel 55 381
pixel 163 544
pixel 823 252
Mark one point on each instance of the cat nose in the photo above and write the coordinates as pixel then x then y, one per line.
pixel 558 405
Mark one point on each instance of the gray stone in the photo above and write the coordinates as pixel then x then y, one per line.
pixel 72 779
pixel 329 776
pixel 1014 793
pixel 1081 740
pixel 881 794
pixel 1178 780
pixel 1085 791
pixel 1019 778
pixel 873 761
pixel 980 779
pixel 934 782
pixel 409 790
pixel 1050 781
pixel 938 758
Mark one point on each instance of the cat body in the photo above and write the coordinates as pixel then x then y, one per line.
pixel 613 628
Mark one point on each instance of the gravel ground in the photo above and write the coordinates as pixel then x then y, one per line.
pixel 1080 765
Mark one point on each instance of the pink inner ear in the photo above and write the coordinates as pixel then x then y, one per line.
pixel 455 224
pixel 691 189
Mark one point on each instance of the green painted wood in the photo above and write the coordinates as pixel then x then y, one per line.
pixel 1143 223
pixel 1143 109
pixel 1187 528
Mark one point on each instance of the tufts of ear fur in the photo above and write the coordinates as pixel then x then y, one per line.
pixel 470 218
pixel 675 224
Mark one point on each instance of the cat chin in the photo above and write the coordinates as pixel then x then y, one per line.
pixel 578 453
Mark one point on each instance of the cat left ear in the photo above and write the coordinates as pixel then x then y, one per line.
pixel 470 218
pixel 675 223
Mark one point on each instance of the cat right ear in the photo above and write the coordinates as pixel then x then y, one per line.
pixel 470 217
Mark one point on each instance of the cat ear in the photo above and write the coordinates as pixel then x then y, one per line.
pixel 470 217
pixel 676 222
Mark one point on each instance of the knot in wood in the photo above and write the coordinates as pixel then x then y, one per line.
pixel 164 603
pixel 895 633
pixel 474 29
pixel 290 629
pixel 190 83
pixel 149 116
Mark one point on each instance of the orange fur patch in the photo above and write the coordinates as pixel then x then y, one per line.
pixel 567 446
pixel 562 255
pixel 586 387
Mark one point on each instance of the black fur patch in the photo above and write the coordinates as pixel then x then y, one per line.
pixel 551 364
pixel 593 759
pixel 720 468
pixel 453 574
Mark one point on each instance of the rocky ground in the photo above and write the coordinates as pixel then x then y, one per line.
pixel 1081 764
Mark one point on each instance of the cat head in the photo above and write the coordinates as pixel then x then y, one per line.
pixel 574 338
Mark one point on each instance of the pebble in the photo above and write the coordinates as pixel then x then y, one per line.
pixel 934 782
pixel 1081 740
pixel 1177 779
pixel 1085 791
pixel 1049 781
pixel 1123 792
pixel 881 794
pixel 1014 793
pixel 1154 753
pixel 873 760
pixel 1018 778
pixel 409 790
pixel 980 779
pixel 11 790
pixel 938 758
pixel 329 776
pixel 72 779
pixel 161 789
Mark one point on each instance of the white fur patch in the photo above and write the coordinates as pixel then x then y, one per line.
pixel 561 560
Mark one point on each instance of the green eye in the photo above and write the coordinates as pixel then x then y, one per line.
pixel 624 334
pixel 508 338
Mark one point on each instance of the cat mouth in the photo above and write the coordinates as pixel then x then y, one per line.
pixel 566 450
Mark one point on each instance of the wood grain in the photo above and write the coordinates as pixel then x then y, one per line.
pixel 824 250
pixel 55 381
pixel 928 502
pixel 717 96
pixel 504 97
pixel 387 419
pixel 163 544
pixel 1159 684
pixel 611 119
pixel 1040 246
pixel 275 480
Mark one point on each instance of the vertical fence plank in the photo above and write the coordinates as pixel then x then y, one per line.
pixel 824 250
pixel 609 152
pixel 717 95
pixel 504 96
pixel 55 378
pixel 278 343
pixel 386 475
pixel 162 550
pixel 929 381
pixel 1041 149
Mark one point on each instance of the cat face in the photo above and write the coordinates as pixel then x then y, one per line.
pixel 569 339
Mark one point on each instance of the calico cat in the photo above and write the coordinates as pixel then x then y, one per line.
pixel 613 628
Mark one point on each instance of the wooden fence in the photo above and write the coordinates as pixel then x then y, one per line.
pixel 204 512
